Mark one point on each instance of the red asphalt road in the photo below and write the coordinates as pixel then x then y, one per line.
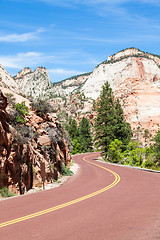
pixel 130 210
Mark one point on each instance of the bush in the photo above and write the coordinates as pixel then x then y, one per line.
pixel 21 111
pixel 137 156
pixel 4 192
pixel 115 152
pixel 156 146
pixel 10 98
pixel 149 163
pixel 24 133
pixel 42 107
pixel 76 147
pixel 66 171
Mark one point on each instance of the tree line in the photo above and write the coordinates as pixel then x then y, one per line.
pixel 112 135
pixel 81 135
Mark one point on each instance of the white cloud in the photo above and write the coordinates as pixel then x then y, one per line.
pixel 22 60
pixel 15 37
pixel 102 40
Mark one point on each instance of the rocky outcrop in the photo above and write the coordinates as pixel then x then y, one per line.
pixel 7 81
pixel 119 71
pixel 24 147
pixel 129 52
pixel 135 79
pixel 23 72
pixel 70 85
pixel 75 106
pixel 35 84
pixel 133 75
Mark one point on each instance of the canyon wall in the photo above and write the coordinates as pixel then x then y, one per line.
pixel 136 81
pixel 23 147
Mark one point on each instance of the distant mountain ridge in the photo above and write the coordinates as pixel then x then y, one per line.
pixel 133 75
pixel 35 84
pixel 115 70
pixel 7 81
pixel 38 85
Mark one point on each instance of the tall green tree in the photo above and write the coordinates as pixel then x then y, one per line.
pixel 81 136
pixel 156 147
pixel 122 128
pixel 109 123
pixel 72 129
pixel 85 136
pixel 76 147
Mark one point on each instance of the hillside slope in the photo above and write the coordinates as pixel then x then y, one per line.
pixel 135 78
pixel 133 75
pixel 24 146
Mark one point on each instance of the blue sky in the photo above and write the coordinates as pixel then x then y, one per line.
pixel 71 37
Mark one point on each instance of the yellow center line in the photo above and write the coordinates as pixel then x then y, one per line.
pixel 116 181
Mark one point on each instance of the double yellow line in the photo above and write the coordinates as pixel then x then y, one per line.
pixel 116 181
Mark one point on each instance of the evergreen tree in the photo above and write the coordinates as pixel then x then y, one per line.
pixel 122 129
pixel 85 137
pixel 114 151
pixel 76 147
pixel 109 123
pixel 81 136
pixel 156 147
pixel 72 129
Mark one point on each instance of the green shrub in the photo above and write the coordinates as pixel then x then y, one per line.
pixel 76 147
pixel 24 133
pixel 10 98
pixel 149 163
pixel 137 156
pixel 4 192
pixel 42 107
pixel 21 111
pixel 115 152
pixel 66 171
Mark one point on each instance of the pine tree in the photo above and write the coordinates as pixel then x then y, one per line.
pixel 81 136
pixel 156 147
pixel 122 129
pixel 72 129
pixel 76 147
pixel 85 137
pixel 109 123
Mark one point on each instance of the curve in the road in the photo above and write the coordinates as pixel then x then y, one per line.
pixel 115 182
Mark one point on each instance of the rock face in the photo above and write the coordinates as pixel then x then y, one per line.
pixel 7 81
pixel 135 78
pixel 36 84
pixel 134 52
pixel 133 75
pixel 70 85
pixel 23 148
pixel 75 106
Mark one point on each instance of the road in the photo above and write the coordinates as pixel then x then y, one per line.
pixel 104 202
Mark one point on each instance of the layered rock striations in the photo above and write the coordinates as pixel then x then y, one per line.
pixel 7 81
pixel 133 75
pixel 35 84
pixel 134 52
pixel 135 79
pixel 71 85
pixel 23 147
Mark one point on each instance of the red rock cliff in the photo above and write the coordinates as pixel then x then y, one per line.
pixel 20 160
